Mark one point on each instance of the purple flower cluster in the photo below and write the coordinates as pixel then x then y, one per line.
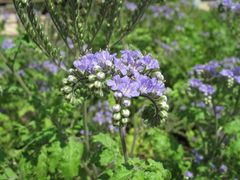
pixel 8 43
pixel 131 73
pixel 103 114
pixel 128 76
pixel 166 11
pixel 204 77
pixel 131 6
pixel 230 5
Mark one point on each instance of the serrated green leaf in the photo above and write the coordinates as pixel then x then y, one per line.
pixel 71 158
pixel 105 140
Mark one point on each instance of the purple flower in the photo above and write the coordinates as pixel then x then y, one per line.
pixel 149 62
pixel 7 43
pixel 50 66
pixel 226 72
pixel 237 79
pixel 223 168
pixel 195 83
pixel 206 89
pixel 125 85
pixel 189 174
pixel 130 6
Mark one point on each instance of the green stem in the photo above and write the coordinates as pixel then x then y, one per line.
pixel 134 139
pixel 123 142
pixel 85 123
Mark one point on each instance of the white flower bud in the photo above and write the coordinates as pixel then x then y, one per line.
pixel 72 78
pixel 116 116
pixel 116 108
pixel 91 77
pixel 164 105
pixel 65 81
pixel 125 120
pixel 67 89
pixel 101 75
pixel 118 94
pixel 164 114
pixel 126 102
pixel 125 113
pixel 97 68
pixel 159 76
pixel 163 98
pixel 71 71
pixel 97 84
pixel 69 96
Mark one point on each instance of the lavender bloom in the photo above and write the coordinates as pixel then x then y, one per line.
pixel 206 89
pixel 50 66
pixel 195 83
pixel 237 79
pixel 223 168
pixel 87 63
pixel 125 85
pixel 198 157
pixel 130 6
pixel 7 43
pixel 189 174
pixel 226 73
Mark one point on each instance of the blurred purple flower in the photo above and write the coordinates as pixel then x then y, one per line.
pixel 130 6
pixel 53 68
pixel 189 174
pixel 7 43
pixel 223 168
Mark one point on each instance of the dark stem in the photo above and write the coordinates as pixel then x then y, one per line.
pixel 123 142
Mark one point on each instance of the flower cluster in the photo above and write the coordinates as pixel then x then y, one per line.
pixel 7 43
pixel 207 78
pixel 103 114
pixel 129 76
pixel 230 5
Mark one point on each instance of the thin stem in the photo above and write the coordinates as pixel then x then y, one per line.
pixel 134 139
pixel 123 142
pixel 85 123
pixel 18 78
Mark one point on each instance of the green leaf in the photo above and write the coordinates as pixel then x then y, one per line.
pixel 105 140
pixel 42 167
pixel 71 158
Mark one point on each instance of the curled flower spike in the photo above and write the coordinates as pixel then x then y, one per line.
pixel 127 77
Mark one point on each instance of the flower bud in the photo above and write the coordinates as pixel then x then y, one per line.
pixel 126 102
pixel 116 116
pixel 100 75
pixel 116 108
pixel 67 89
pixel 118 94
pixel 124 120
pixel 159 76
pixel 65 81
pixel 97 68
pixel 125 113
pixel 164 114
pixel 72 78
pixel 91 77
pixel 163 98
pixel 164 105
pixel 71 71
pixel 97 84
pixel 68 96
